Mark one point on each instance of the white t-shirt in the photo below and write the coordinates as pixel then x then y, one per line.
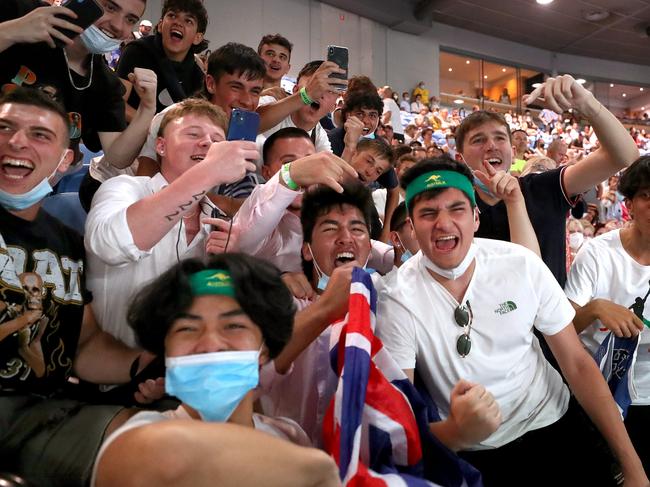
pixel 395 117
pixel 603 269
pixel 510 292
pixel 282 428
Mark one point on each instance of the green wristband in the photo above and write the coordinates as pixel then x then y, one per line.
pixel 305 97
pixel 286 177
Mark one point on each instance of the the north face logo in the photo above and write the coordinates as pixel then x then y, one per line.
pixel 506 307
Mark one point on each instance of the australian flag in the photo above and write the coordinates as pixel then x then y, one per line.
pixel 616 357
pixel 377 424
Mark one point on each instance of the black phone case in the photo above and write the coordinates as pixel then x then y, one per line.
pixel 88 11
pixel 338 55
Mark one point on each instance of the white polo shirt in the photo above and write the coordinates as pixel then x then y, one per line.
pixel 511 291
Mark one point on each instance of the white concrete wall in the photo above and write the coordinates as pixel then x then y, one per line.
pixel 386 55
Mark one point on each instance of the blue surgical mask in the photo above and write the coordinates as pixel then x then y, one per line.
pixel 17 202
pixel 212 383
pixel 406 256
pixel 23 201
pixel 97 42
pixel 323 280
pixel 370 136
pixel 483 187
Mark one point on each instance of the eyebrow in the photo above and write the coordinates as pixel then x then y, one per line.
pixel 31 127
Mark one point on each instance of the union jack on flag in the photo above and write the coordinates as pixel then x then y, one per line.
pixel 377 424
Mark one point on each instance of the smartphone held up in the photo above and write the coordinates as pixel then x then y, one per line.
pixel 88 11
pixel 339 56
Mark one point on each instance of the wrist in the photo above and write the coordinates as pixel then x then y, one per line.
pixel 592 107
pixel 306 99
pixel 285 177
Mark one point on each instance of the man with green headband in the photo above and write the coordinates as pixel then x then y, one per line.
pixel 461 312
pixel 216 322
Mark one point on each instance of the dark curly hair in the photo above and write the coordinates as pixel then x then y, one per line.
pixel 635 177
pixel 259 290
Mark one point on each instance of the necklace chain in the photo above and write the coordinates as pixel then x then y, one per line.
pixel 90 80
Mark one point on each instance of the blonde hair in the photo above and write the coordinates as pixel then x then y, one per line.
pixel 535 163
pixel 195 106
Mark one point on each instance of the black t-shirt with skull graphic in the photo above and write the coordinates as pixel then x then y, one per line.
pixel 42 297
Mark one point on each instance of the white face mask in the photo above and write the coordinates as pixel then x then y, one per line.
pixel 576 240
pixel 457 271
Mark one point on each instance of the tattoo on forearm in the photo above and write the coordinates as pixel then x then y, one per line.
pixel 185 206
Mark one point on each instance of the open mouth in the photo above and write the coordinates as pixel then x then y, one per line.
pixel 16 168
pixel 176 34
pixel 446 243
pixel 315 105
pixel 198 157
pixel 494 161
pixel 343 258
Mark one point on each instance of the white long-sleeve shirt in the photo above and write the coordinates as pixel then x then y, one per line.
pixel 117 268
pixel 267 229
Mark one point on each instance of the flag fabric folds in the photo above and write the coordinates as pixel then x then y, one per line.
pixel 376 426
pixel 615 358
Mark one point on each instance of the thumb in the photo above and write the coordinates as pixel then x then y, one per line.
pixel 217 223
pixel 461 387
pixel 131 77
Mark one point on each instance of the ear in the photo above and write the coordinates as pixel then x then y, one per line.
pixel 306 253
pixel 264 355
pixel 67 159
pixel 210 84
pixel 197 38
pixel 295 88
pixel 160 146
pixel 394 240
pixel 460 158
pixel 477 220
pixel 266 172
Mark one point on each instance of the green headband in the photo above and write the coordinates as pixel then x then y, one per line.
pixel 440 179
pixel 212 281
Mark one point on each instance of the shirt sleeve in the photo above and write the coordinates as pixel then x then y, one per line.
pixel 261 213
pixel 108 235
pixel 554 312
pixel 322 140
pixel 583 276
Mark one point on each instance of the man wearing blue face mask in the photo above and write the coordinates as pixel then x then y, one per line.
pixel 76 74
pixel 48 332
pixel 402 236
pixel 216 322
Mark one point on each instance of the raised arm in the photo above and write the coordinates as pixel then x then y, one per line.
pixel 506 187
pixel 617 148
pixel 121 148
pixel 150 218
pixel 40 25
pixel 273 113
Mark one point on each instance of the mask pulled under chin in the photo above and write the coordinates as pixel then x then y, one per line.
pixel 456 272
pixel 17 202
pixel 212 383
